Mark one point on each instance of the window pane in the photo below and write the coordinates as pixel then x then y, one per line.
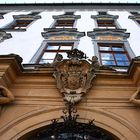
pixel 64 55
pixel 121 57
pixel 49 55
pixel 117 49
pixel 42 61
pixel 105 48
pixel 51 47
pixel 107 56
pixel 108 63
pixel 65 47
pixel 124 63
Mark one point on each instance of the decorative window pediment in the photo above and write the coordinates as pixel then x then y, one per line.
pixel 4 35
pixel 66 17
pixel 62 34
pixel 104 17
pixel 26 17
pixel 109 34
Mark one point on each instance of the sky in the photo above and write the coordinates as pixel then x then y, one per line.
pixel 69 1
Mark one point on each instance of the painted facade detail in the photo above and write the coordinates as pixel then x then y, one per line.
pixel 109 34
pixel 6 95
pixel 74 76
pixel 62 34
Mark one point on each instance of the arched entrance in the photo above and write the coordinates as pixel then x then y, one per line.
pixel 62 131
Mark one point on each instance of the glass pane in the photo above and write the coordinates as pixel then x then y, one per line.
pixel 49 55
pixel 42 61
pixel 52 47
pixel 106 56
pixel 64 55
pixel 65 47
pixel 105 48
pixel 117 49
pixel 121 57
pixel 108 63
pixel 124 63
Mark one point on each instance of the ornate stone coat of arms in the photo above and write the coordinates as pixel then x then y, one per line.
pixel 74 75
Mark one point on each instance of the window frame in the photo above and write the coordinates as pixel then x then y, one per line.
pixel 57 51
pixel 110 45
pixel 64 23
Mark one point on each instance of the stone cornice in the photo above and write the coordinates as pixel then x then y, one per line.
pixel 113 32
pixel 25 17
pixel 60 6
pixel 11 70
pixel 64 31
pixel 67 17
pixel 107 16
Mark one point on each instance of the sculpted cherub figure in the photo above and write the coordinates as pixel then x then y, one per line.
pixel 134 98
pixel 6 95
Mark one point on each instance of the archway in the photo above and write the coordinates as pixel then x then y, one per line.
pixel 40 119
pixel 62 131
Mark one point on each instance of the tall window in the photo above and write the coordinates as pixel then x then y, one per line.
pixel 64 23
pixel 113 54
pixel 52 49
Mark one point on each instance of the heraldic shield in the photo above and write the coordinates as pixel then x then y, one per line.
pixel 74 75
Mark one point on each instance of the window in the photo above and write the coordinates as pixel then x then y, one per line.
pixel 112 54
pixel 52 49
pixel 106 23
pixel 19 24
pixel 64 24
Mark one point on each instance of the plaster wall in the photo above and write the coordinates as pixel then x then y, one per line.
pixel 27 43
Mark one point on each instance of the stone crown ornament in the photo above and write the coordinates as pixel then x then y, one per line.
pixel 74 75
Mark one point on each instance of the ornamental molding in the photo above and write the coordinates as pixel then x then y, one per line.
pixel 4 35
pixel 104 17
pixel 74 76
pixel 60 33
pixel 109 34
pixel 26 17
pixel 65 17
pixel 134 17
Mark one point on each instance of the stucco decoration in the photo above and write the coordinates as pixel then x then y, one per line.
pixel 135 98
pixel 6 95
pixel 74 75
pixel 4 36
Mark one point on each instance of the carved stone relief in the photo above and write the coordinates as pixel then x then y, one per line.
pixel 74 75
pixel 6 95
pixel 135 98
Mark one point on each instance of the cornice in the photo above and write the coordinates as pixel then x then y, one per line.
pixel 64 31
pixel 25 17
pixel 107 16
pixel 11 69
pixel 76 6
pixel 67 17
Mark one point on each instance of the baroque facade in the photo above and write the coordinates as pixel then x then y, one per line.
pixel 69 71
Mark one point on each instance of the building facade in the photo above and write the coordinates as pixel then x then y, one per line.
pixel 86 55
